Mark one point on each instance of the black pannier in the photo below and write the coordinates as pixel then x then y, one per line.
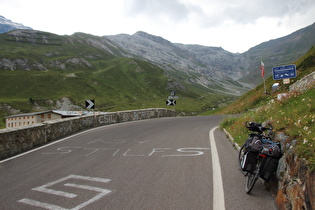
pixel 249 161
pixel 253 143
pixel 268 167
pixel 272 150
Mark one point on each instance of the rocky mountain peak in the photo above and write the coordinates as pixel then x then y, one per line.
pixel 151 37
pixel 7 25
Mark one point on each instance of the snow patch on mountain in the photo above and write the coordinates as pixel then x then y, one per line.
pixel 7 25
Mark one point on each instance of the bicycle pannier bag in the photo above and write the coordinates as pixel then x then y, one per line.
pixel 255 144
pixel 249 161
pixel 268 167
pixel 271 150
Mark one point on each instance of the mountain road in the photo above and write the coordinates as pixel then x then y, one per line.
pixel 164 163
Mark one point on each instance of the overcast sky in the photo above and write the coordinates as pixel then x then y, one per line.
pixel 235 25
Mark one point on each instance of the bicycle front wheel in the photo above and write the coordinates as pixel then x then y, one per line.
pixel 241 154
pixel 250 182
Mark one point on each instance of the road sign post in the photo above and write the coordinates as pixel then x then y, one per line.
pixel 171 101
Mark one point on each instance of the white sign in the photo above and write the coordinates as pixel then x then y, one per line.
pixel 173 97
pixel 286 81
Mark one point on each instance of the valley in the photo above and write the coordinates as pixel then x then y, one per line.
pixel 38 70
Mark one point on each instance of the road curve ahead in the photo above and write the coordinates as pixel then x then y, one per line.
pixel 164 163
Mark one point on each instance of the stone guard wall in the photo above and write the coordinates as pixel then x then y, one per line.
pixel 15 141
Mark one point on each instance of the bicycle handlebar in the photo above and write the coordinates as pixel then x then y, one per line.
pixel 257 127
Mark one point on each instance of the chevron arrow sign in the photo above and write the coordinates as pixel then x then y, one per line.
pixel 89 104
pixel 170 102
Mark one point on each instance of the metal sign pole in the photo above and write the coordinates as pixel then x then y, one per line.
pixel 264 85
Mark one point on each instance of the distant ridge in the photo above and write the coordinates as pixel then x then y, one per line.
pixel 214 63
pixel 7 25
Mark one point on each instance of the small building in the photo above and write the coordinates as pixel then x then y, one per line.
pixel 20 120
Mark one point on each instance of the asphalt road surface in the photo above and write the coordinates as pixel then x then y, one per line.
pixel 165 163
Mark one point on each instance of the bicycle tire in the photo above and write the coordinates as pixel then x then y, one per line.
pixel 250 182
pixel 241 154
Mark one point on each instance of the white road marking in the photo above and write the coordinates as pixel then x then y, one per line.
pixel 218 192
pixel 126 154
pixel 71 136
pixel 190 151
pixel 143 141
pixel 93 151
pixel 116 152
pixel 63 150
pixel 44 188
pixel 181 152
pixel 40 204
pixel 158 150
pixel 86 187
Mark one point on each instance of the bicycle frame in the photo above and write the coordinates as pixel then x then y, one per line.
pixel 249 164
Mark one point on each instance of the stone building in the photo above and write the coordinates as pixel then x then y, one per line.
pixel 20 120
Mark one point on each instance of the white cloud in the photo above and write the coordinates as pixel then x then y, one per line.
pixel 234 25
pixel 171 10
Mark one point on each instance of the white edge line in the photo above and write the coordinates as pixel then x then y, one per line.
pixel 218 192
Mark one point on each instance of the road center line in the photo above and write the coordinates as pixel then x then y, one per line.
pixel 218 192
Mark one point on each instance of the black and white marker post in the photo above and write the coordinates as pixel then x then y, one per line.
pixel 171 101
pixel 90 104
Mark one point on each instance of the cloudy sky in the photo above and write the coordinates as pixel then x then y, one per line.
pixel 235 25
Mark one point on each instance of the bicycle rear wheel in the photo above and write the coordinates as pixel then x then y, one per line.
pixel 250 181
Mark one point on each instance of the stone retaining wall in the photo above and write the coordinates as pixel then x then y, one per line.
pixel 15 141
pixel 296 181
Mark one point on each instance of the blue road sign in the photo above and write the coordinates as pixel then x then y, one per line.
pixel 284 72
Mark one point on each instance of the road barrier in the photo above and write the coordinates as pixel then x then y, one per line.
pixel 17 140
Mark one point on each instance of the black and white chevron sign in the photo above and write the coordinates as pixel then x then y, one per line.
pixel 89 104
pixel 170 102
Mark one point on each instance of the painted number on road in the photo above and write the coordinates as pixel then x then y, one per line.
pixel 70 182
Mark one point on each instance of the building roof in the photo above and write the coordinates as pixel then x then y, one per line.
pixel 68 113
pixel 62 113
pixel 28 114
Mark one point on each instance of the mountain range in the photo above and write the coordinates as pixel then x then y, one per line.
pixel 210 74
pixel 207 66
pixel 213 64
pixel 7 25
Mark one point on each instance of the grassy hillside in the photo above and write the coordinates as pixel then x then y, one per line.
pixel 295 115
pixel 45 47
pixel 38 67
pixel 122 84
